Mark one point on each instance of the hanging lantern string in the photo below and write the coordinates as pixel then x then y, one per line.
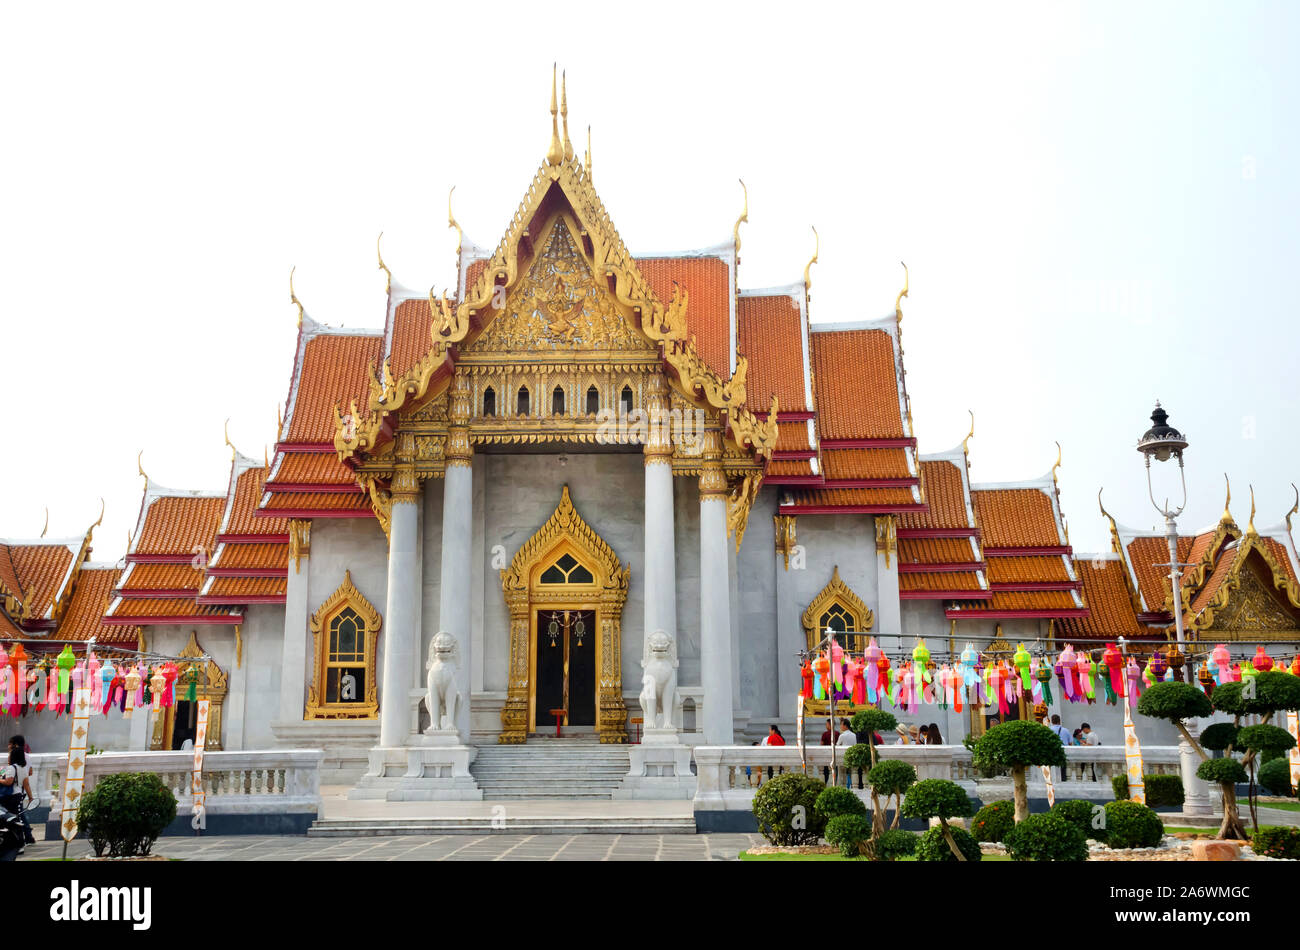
pixel 112 650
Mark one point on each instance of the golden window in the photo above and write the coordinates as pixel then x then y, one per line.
pixel 840 610
pixel 345 631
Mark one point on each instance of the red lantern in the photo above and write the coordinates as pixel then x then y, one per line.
pixel 1262 661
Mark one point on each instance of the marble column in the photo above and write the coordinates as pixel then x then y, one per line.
pixel 293 656
pixel 889 610
pixel 715 597
pixel 401 619
pixel 454 588
pixel 1196 791
pixel 660 545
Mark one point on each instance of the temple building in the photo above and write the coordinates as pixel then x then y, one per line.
pixel 580 447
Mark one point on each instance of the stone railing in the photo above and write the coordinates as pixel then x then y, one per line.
pixel 728 776
pixel 251 788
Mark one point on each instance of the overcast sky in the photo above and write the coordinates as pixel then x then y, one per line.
pixel 1098 204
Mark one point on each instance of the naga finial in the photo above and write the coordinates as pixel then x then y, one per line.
pixel 555 152
pixel 388 278
pixel 898 301
pixel 1057 463
pixel 807 270
pixel 1250 525
pixel 139 464
pixel 564 117
pixel 743 219
pixel 47 521
pixel 1226 518
pixel 451 222
pixel 586 158
pixel 969 435
pixel 293 298
pixel 1294 508
pixel 233 450
pixel 100 520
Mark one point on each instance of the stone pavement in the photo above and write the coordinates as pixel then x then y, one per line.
pixel 496 847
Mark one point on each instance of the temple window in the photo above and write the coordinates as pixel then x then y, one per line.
pixel 521 405
pixel 839 609
pixel 345 631
pixel 625 400
pixel 567 570
pixel 593 400
pixel 489 402
pixel 557 402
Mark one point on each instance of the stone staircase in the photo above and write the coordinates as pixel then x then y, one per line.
pixel 546 768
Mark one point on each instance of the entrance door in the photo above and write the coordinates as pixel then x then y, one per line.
pixel 182 727
pixel 566 667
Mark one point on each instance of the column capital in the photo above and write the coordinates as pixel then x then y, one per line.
pixel 713 480
pixel 658 447
pixel 405 487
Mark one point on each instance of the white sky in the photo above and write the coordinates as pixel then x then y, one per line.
pixel 1098 204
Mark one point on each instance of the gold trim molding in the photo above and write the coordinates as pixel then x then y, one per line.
pixel 345 595
pixel 835 592
pixel 212 686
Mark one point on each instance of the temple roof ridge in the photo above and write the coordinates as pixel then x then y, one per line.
pixel 794 290
pixel 72 543
pixel 725 250
pixel 888 324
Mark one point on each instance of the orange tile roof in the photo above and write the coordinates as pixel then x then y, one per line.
pixel 1028 570
pixel 335 369
pixel 37 567
pixel 947 498
pixel 317 501
pixel 175 524
pixel 86 610
pixel 168 608
pixel 230 587
pixel 935 551
pixel 312 468
pixel 707 280
pixel 147 577
pixel 771 338
pixel 1144 553
pixel 789 467
pixel 412 321
pixel 1106 594
pixel 843 497
pixel 1222 568
pixel 865 463
pixel 1016 518
pixel 792 437
pixel 1038 600
pixel 857 385
pixel 1280 554
pixel 248 493
pixel 251 557
pixel 8 628
pixel 939 581
pixel 474 270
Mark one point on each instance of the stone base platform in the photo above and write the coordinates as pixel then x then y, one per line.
pixel 660 768
pixel 433 768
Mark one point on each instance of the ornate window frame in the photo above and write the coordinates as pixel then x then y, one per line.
pixel 344 596
pixel 836 592
pixel 212 686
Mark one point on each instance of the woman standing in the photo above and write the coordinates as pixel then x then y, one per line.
pixel 16 785
pixel 932 736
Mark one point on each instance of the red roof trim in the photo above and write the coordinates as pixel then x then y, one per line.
pixel 1155 616
pixel 963 567
pixel 157 593
pixel 290 488
pixel 160 558
pixel 945 595
pixel 207 619
pixel 249 599
pixel 801 455
pixel 814 480
pixel 314 448
pixel 794 415
pixel 312 513
pixel 938 533
pixel 872 483
pixel 846 509
pixel 1026 552
pixel 903 443
pixel 248 572
pixel 1037 585
pixel 252 539
pixel 955 614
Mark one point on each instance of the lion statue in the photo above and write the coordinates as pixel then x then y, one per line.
pixel 443 698
pixel 659 680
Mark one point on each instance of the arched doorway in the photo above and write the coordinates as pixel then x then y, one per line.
pixel 176 724
pixel 565 589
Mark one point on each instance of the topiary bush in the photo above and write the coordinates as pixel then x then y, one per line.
pixel 1224 771
pixel 864 723
pixel 942 799
pixel 1265 739
pixel 1272 691
pixel 1017 745
pixel 932 846
pixel 1277 843
pixel 848 833
pixel 125 813
pixel 836 801
pixel 1219 736
pixel 1160 790
pixel 895 844
pixel 1046 837
pixel 1088 817
pixel 1174 701
pixel 891 779
pixel 993 821
pixel 785 809
pixel 858 756
pixel 1130 825
pixel 1275 776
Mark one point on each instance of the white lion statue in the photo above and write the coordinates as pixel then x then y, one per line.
pixel 659 680
pixel 443 698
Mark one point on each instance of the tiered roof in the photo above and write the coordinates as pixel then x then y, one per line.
pixel 250 565
pixel 939 552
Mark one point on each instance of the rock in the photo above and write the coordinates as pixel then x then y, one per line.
pixel 1214 850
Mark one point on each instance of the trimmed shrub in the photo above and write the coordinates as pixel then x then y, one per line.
pixel 1174 701
pixel 1277 843
pixel 1271 739
pixel 1046 837
pixel 993 821
pixel 858 756
pixel 848 832
pixel 1218 736
pixel 1020 743
pixel 785 809
pixel 1275 775
pixel 1085 816
pixel 125 813
pixel 935 798
pixel 891 777
pixel 1273 691
pixel 1160 790
pixel 867 721
pixel 835 801
pixel 895 844
pixel 1224 771
pixel 933 847
pixel 1130 825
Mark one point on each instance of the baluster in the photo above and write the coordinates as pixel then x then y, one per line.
pixel 283 775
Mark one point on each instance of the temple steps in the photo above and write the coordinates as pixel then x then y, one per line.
pixel 550 769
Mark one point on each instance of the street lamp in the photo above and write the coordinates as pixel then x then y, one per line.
pixel 1162 442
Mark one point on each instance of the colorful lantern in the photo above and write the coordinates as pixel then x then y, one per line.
pixel 65 662
pixel 859 681
pixel 1262 661
pixel 806 672
pixel 1044 674
pixel 1023 663
pixel 1174 657
pixel 1205 678
pixel 133 680
pixel 157 683
pixel 1157 665
pixel 874 666
pixel 1219 663
pixel 1295 665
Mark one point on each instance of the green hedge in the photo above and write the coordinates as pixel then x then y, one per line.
pixel 1275 775
pixel 1161 790
pixel 1130 825
pixel 895 844
pixel 125 813
pixel 993 821
pixel 847 832
pixel 1277 843
pixel 1046 837
pixel 785 810
pixel 933 847
pixel 1084 816
pixel 835 801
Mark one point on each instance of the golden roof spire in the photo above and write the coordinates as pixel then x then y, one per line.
pixel 226 430
pixel 564 115
pixel 388 281
pixel 100 520
pixel 807 270
pixel 743 219
pixel 1227 515
pixel 293 298
pixel 47 521
pixel 1114 528
pixel 898 301
pixel 1294 508
pixel 586 158
pixel 451 222
pixel 970 435
pixel 1250 525
pixel 266 459
pixel 1057 463
pixel 139 464
pixel 555 153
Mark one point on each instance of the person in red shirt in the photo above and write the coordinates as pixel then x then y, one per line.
pixel 774 736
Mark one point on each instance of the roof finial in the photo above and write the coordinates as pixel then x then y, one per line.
pixel 293 298
pixel 898 301
pixel 279 422
pixel 139 464
pixel 100 520
pixel 1227 501
pixel 969 435
pixel 226 430
pixel 388 280
pixel 1114 528
pixel 743 219
pixel 266 458
pixel 555 153
pixel 47 521
pixel 451 222
pixel 1057 463
pixel 586 158
pixel 1250 525
pixel 564 116
pixel 807 270
pixel 1294 508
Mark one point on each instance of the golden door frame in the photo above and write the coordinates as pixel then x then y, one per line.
pixel 212 686
pixel 565 532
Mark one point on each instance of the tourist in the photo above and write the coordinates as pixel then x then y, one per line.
pixel 903 737
pixel 914 733
pixel 15 780
pixel 846 740
pixel 774 736
pixel 828 738
pixel 1088 737
pixel 923 736
pixel 1063 734
pixel 934 737
pixel 1077 737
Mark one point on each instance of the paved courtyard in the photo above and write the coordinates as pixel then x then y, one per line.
pixel 496 847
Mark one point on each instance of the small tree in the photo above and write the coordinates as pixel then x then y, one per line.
pixel 1264 695
pixel 870 721
pixel 785 809
pixel 1016 745
pixel 890 778
pixel 938 798
pixel 1261 741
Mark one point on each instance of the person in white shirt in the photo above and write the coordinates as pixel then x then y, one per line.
pixel 847 738
pixel 1088 737
pixel 1063 734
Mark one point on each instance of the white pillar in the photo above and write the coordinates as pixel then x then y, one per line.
pixel 454 588
pixel 660 544
pixel 401 633
pixel 293 657
pixel 715 598
pixel 1196 792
